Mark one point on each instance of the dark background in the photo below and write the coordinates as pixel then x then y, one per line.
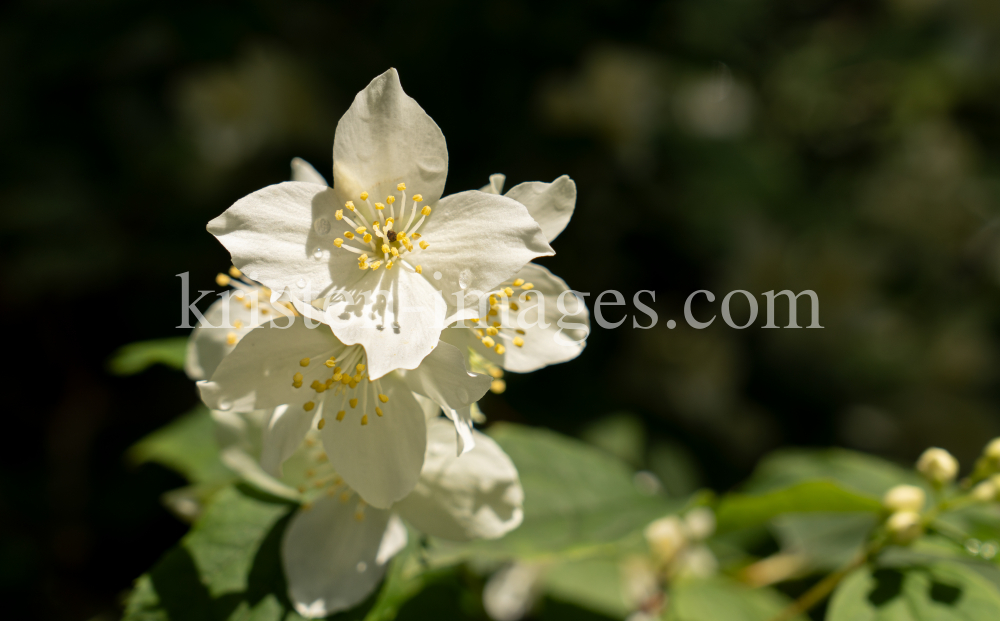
pixel 851 148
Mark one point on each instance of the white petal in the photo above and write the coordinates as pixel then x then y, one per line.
pixel 239 437
pixel 477 241
pixel 477 495
pixel 511 593
pixel 550 204
pixel 304 171
pixel 393 541
pixel 386 138
pixel 495 186
pixel 209 344
pixel 381 460
pixel 431 409
pixel 283 435
pixel 258 373
pixel 550 345
pixel 443 377
pixel 283 236
pixel 395 314
pixel 331 559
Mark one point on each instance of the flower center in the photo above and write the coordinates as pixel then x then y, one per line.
pixel 491 329
pixel 321 478
pixel 390 240
pixel 340 387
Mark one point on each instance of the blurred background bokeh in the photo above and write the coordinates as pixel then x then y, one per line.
pixel 851 148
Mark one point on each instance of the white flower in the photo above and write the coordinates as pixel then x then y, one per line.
pixel 382 215
pixel 938 466
pixel 520 326
pixel 336 548
pixel 904 526
pixel 373 428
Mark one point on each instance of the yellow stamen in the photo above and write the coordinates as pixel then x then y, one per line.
pixel 304 362
pixel 500 349
pixel 496 372
pixel 340 415
pixel 338 242
pixel 367 238
pixel 497 386
pixel 364 419
pixel 348 235
pixel 376 265
pixel 514 306
pixel 394 252
pixel 480 333
pixel 349 205
pixel 388 265
pixel 400 187
pixel 339 214
pixel 330 363
pixel 420 270
pixel 487 341
pixel 518 341
pixel 390 199
pixel 378 410
pixel 527 286
pixel 363 265
pixel 359 367
pixel 379 206
pixel 491 331
pixel 415 236
pixel 360 230
pixel 383 398
pixel 321 423
pixel 222 280
pixel 354 403
pixel 297 380
pixel 364 196
pixel 508 292
pixel 423 245
pixel 426 211
pixel 308 406
pixel 385 248
pixel 235 273
pixel 231 338
pixel 518 282
pixel 417 198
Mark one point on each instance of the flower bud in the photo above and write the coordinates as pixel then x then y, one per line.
pixel 904 527
pixel 699 523
pixel 938 466
pixel 985 491
pixel 992 452
pixel 666 537
pixel 904 498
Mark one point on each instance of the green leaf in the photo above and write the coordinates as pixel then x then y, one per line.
pixel 406 578
pixel 186 445
pixel 227 567
pixel 576 498
pixel 825 540
pixel 594 584
pixel 742 510
pixel 942 592
pixel 855 471
pixel 723 599
pixel 137 357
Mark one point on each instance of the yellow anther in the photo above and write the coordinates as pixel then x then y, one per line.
pixel 492 331
pixel 344 497
pixel 390 199
pixel 417 198
pixel 493 301
pixel 338 242
pixel 518 282
pixel 394 252
pixel 521 332
pixel 362 258
pixel 378 410
pixel 345 379
pixel 496 372
pixel 487 341
pixel 367 238
pixel 339 214
pixel 308 406
pixel 360 230
pixel 359 367
pixel 400 187
pixel 388 265
pixel 364 419
pixel 330 363
pixel 337 376
pixel 354 383
pixel 383 398
pixel 426 211
pixel 348 234
pixel 376 265
pixel 375 225
pixel 420 270
pixel 415 236
pixel 379 206
pixel 508 291
pixel 514 306
pixel 408 245
pixel 364 196
pixel 239 294
pixel 340 415
pixel 237 324
pixel 527 286
pixel 329 382
pixel 315 385
pixel 496 324
pixel 304 362
pixel 385 248
pixel 359 516
pixel 423 245
pixel 235 273
pixel 297 379
pixel 354 403
pixel 480 333
pixel 321 423
pixel 388 222
pixel 493 311
pixel 497 386
pixel 231 338
pixel 363 266
pixel 518 341
pixel 222 280
pixel 500 349
pixel 349 205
